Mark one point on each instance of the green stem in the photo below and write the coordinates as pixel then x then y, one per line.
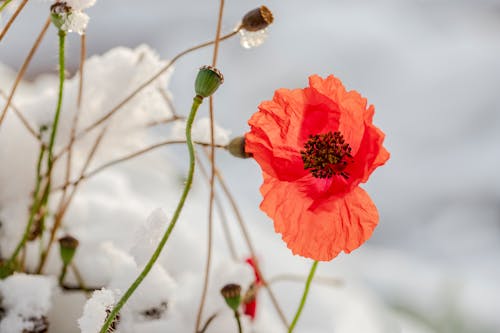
pixel 5 4
pixel 237 316
pixel 304 297
pixel 189 180
pixel 50 161
pixel 64 270
pixel 8 267
pixel 55 125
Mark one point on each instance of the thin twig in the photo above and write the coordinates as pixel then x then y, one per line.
pixel 92 173
pixel 222 214
pixel 60 214
pixel 207 323
pixel 206 278
pixel 147 83
pixel 329 281
pixel 23 69
pixel 164 121
pixel 12 18
pixel 75 120
pixel 83 56
pixel 249 243
pixel 21 117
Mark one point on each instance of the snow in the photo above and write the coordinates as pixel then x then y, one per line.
pixel 24 297
pixel 94 311
pixel 431 68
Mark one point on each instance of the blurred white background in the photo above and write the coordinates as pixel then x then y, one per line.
pixel 432 70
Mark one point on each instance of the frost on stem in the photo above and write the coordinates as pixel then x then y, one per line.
pixel 69 16
pixel 96 310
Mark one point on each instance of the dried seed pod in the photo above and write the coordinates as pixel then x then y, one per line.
pixel 257 19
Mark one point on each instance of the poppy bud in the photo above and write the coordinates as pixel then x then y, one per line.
pixel 257 19
pixel 58 12
pixel 208 80
pixel 237 147
pixel 67 248
pixel 232 295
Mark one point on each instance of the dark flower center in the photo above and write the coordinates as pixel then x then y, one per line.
pixel 326 155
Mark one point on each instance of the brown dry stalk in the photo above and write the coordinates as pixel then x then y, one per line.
pixel 328 281
pixel 63 209
pixel 206 278
pixel 12 19
pixel 222 214
pixel 248 240
pixel 23 69
pixel 21 117
pixel 147 83
pixel 92 173
pixel 83 52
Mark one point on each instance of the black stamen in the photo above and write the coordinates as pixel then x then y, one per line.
pixel 326 155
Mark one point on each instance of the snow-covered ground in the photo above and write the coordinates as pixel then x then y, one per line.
pixel 432 70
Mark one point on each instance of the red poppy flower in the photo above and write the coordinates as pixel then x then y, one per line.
pixel 315 146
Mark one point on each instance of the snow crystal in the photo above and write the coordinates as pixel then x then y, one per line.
pixel 75 21
pixel 80 4
pixel 94 311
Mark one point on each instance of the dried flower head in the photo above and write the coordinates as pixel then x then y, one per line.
pixel 257 19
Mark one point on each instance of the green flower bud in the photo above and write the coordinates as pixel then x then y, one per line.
pixel 257 19
pixel 208 80
pixel 236 147
pixel 67 248
pixel 232 295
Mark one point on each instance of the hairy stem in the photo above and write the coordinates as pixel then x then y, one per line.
pixel 189 180
pixel 304 297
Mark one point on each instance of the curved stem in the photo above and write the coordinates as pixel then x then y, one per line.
pixel 304 297
pixel 238 321
pixel 189 180
pixel 55 124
